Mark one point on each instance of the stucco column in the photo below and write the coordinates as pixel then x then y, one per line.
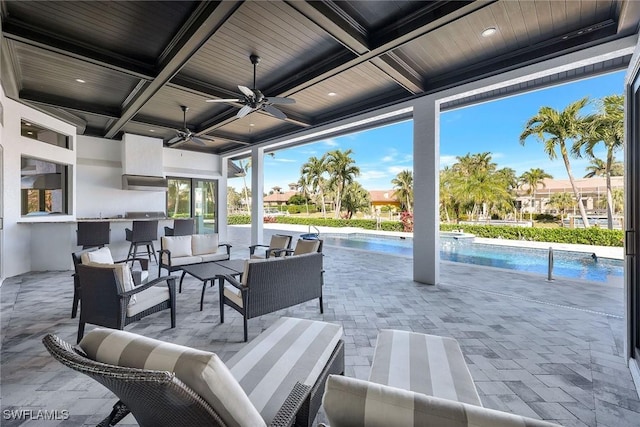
pixel 221 217
pixel 426 184
pixel 257 191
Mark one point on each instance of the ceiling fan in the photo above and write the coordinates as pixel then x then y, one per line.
pixel 185 135
pixel 254 100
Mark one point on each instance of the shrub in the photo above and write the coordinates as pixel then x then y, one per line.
pixel 238 219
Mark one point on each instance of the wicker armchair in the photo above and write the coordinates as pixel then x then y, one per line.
pixel 278 242
pixel 139 276
pixel 159 399
pixel 104 302
pixel 269 285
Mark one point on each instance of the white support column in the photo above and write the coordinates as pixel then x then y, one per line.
pixel 426 185
pixel 222 205
pixel 257 191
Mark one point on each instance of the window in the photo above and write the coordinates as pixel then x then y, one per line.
pixel 37 132
pixel 195 198
pixel 43 187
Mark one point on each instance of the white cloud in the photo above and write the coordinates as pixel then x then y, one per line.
pixel 395 170
pixel 447 160
pixel 387 159
pixel 331 142
pixel 371 175
pixel 284 160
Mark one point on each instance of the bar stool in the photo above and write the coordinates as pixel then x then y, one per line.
pixel 93 234
pixel 143 233
pixel 181 227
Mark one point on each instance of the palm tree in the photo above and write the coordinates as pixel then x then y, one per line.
pixel 532 178
pixel 313 171
pixel 562 201
pixel 245 167
pixel 554 129
pixel 355 198
pixel 403 186
pixel 607 127
pixel 343 171
pixel 303 185
pixel 446 194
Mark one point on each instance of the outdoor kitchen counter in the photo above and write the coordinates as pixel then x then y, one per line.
pixel 52 242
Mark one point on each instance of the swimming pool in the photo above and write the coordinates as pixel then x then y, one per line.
pixel 575 265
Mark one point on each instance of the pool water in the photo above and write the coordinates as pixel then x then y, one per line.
pixel 575 265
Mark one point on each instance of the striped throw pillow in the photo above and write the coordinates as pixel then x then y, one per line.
pixel 349 402
pixel 203 371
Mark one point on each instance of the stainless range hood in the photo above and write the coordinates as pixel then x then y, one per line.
pixel 144 183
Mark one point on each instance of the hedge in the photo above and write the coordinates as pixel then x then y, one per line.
pixel 591 236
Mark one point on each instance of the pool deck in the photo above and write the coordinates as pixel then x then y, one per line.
pixel 547 350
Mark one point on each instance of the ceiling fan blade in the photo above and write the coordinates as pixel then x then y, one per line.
pixel 246 91
pixel 207 137
pixel 244 111
pixel 225 100
pixel 279 100
pixel 175 140
pixel 274 111
pixel 198 140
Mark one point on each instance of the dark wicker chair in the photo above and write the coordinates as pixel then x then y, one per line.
pixel 181 227
pixel 139 276
pixel 93 234
pixel 142 233
pixel 102 303
pixel 277 243
pixel 159 399
pixel 270 286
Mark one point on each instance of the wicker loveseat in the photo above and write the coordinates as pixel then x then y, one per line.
pixel 277 380
pixel 178 251
pixel 271 284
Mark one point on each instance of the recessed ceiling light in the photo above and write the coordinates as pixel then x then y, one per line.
pixel 488 32
pixel 29 133
pixel 331 94
pixel 251 124
pixel 151 130
pixel 80 81
pixel 27 124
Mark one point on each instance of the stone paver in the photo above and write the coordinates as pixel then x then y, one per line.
pixel 550 350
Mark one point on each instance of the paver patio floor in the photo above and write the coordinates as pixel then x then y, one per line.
pixel 550 350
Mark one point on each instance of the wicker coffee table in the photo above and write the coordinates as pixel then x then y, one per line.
pixel 210 271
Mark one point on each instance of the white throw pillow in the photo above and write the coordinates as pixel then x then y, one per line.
pixel 178 245
pixel 101 256
pixel 202 244
pixel 203 371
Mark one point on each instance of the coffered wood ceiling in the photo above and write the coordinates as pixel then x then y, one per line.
pixel 141 60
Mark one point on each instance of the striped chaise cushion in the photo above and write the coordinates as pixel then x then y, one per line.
pixel 428 364
pixel 289 351
pixel 204 372
pixel 349 402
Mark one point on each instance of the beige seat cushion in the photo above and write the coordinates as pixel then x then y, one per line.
pixel 202 371
pixel 289 351
pixel 202 244
pixel 147 299
pixel 101 256
pixel 179 246
pixel 185 260
pixel 219 256
pixel 279 242
pixel 233 294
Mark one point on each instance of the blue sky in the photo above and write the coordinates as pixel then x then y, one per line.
pixel 490 127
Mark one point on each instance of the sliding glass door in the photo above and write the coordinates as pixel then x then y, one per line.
pixel 204 198
pixel 632 216
pixel 194 198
